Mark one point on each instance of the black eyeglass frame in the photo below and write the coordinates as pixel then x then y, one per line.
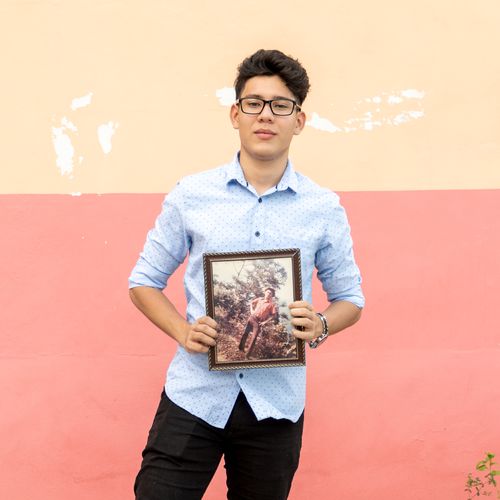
pixel 269 101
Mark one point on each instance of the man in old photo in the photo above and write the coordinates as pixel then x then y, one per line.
pixel 262 311
pixel 258 201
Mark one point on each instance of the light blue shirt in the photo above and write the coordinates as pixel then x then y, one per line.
pixel 218 211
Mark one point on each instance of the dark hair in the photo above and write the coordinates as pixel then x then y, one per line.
pixel 271 63
pixel 272 290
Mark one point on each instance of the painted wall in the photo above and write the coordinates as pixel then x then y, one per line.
pixel 107 103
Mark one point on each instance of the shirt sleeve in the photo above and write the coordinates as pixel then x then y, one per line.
pixel 166 246
pixel 337 269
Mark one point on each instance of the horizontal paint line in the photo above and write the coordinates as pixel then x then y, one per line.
pixel 160 193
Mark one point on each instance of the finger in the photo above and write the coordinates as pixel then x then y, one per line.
pixel 304 335
pixel 300 303
pixel 207 330
pixel 304 322
pixel 207 320
pixel 302 312
pixel 195 347
pixel 300 320
pixel 203 338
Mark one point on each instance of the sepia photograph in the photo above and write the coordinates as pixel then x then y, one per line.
pixel 247 294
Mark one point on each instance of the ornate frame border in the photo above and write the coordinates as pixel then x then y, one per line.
pixel 208 259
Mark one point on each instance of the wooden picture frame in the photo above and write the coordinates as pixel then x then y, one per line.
pixel 248 293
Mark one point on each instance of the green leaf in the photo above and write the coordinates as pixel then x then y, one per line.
pixel 495 472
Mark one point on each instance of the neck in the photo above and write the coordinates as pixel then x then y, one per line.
pixel 262 174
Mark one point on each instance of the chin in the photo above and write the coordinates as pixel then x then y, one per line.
pixel 265 154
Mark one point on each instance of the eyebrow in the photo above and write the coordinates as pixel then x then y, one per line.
pixel 258 96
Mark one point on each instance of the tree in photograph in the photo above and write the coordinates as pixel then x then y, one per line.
pixel 232 300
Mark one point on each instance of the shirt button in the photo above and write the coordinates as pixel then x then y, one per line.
pixel 241 375
pixel 260 200
pixel 257 233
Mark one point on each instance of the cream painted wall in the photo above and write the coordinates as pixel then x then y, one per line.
pixel 153 68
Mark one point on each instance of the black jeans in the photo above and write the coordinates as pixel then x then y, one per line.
pixel 183 452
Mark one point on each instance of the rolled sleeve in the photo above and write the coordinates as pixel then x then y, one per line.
pixel 337 269
pixel 166 246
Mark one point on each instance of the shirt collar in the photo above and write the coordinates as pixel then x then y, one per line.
pixel 234 172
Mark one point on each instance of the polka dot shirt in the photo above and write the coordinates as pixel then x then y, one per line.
pixel 218 211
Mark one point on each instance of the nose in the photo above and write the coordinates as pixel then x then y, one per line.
pixel 266 113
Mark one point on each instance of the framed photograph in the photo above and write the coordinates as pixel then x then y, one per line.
pixel 248 293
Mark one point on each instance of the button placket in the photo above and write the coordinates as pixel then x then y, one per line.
pixel 258 221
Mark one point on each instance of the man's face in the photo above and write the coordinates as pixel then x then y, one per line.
pixel 268 294
pixel 266 137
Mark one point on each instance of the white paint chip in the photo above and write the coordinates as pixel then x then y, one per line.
pixel 400 119
pixel 388 108
pixel 416 114
pixel 105 133
pixel 322 124
pixel 226 96
pixel 81 102
pixel 413 94
pixel 64 150
pixel 76 193
pixel 61 138
pixel 68 124
pixel 394 99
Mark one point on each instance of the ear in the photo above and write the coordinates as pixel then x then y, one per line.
pixel 234 113
pixel 300 122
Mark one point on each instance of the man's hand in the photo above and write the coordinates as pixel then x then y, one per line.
pixel 267 321
pixel 200 335
pixel 303 316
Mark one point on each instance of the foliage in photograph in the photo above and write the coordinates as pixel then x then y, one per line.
pixel 232 312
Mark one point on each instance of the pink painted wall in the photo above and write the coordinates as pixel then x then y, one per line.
pixel 401 406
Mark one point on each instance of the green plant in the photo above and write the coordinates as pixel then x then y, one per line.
pixel 486 485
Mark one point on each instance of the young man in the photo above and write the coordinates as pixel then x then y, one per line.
pixel 262 311
pixel 252 417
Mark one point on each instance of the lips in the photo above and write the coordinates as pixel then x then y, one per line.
pixel 265 133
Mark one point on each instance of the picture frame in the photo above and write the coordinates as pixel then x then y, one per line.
pixel 248 293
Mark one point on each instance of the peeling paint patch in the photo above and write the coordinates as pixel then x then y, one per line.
pixel 76 193
pixel 394 99
pixel 81 102
pixel 322 124
pixel 61 137
pixel 226 96
pixel 68 124
pixel 389 108
pixel 105 133
pixel 63 146
pixel 413 94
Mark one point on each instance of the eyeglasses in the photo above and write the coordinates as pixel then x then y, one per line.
pixel 279 107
